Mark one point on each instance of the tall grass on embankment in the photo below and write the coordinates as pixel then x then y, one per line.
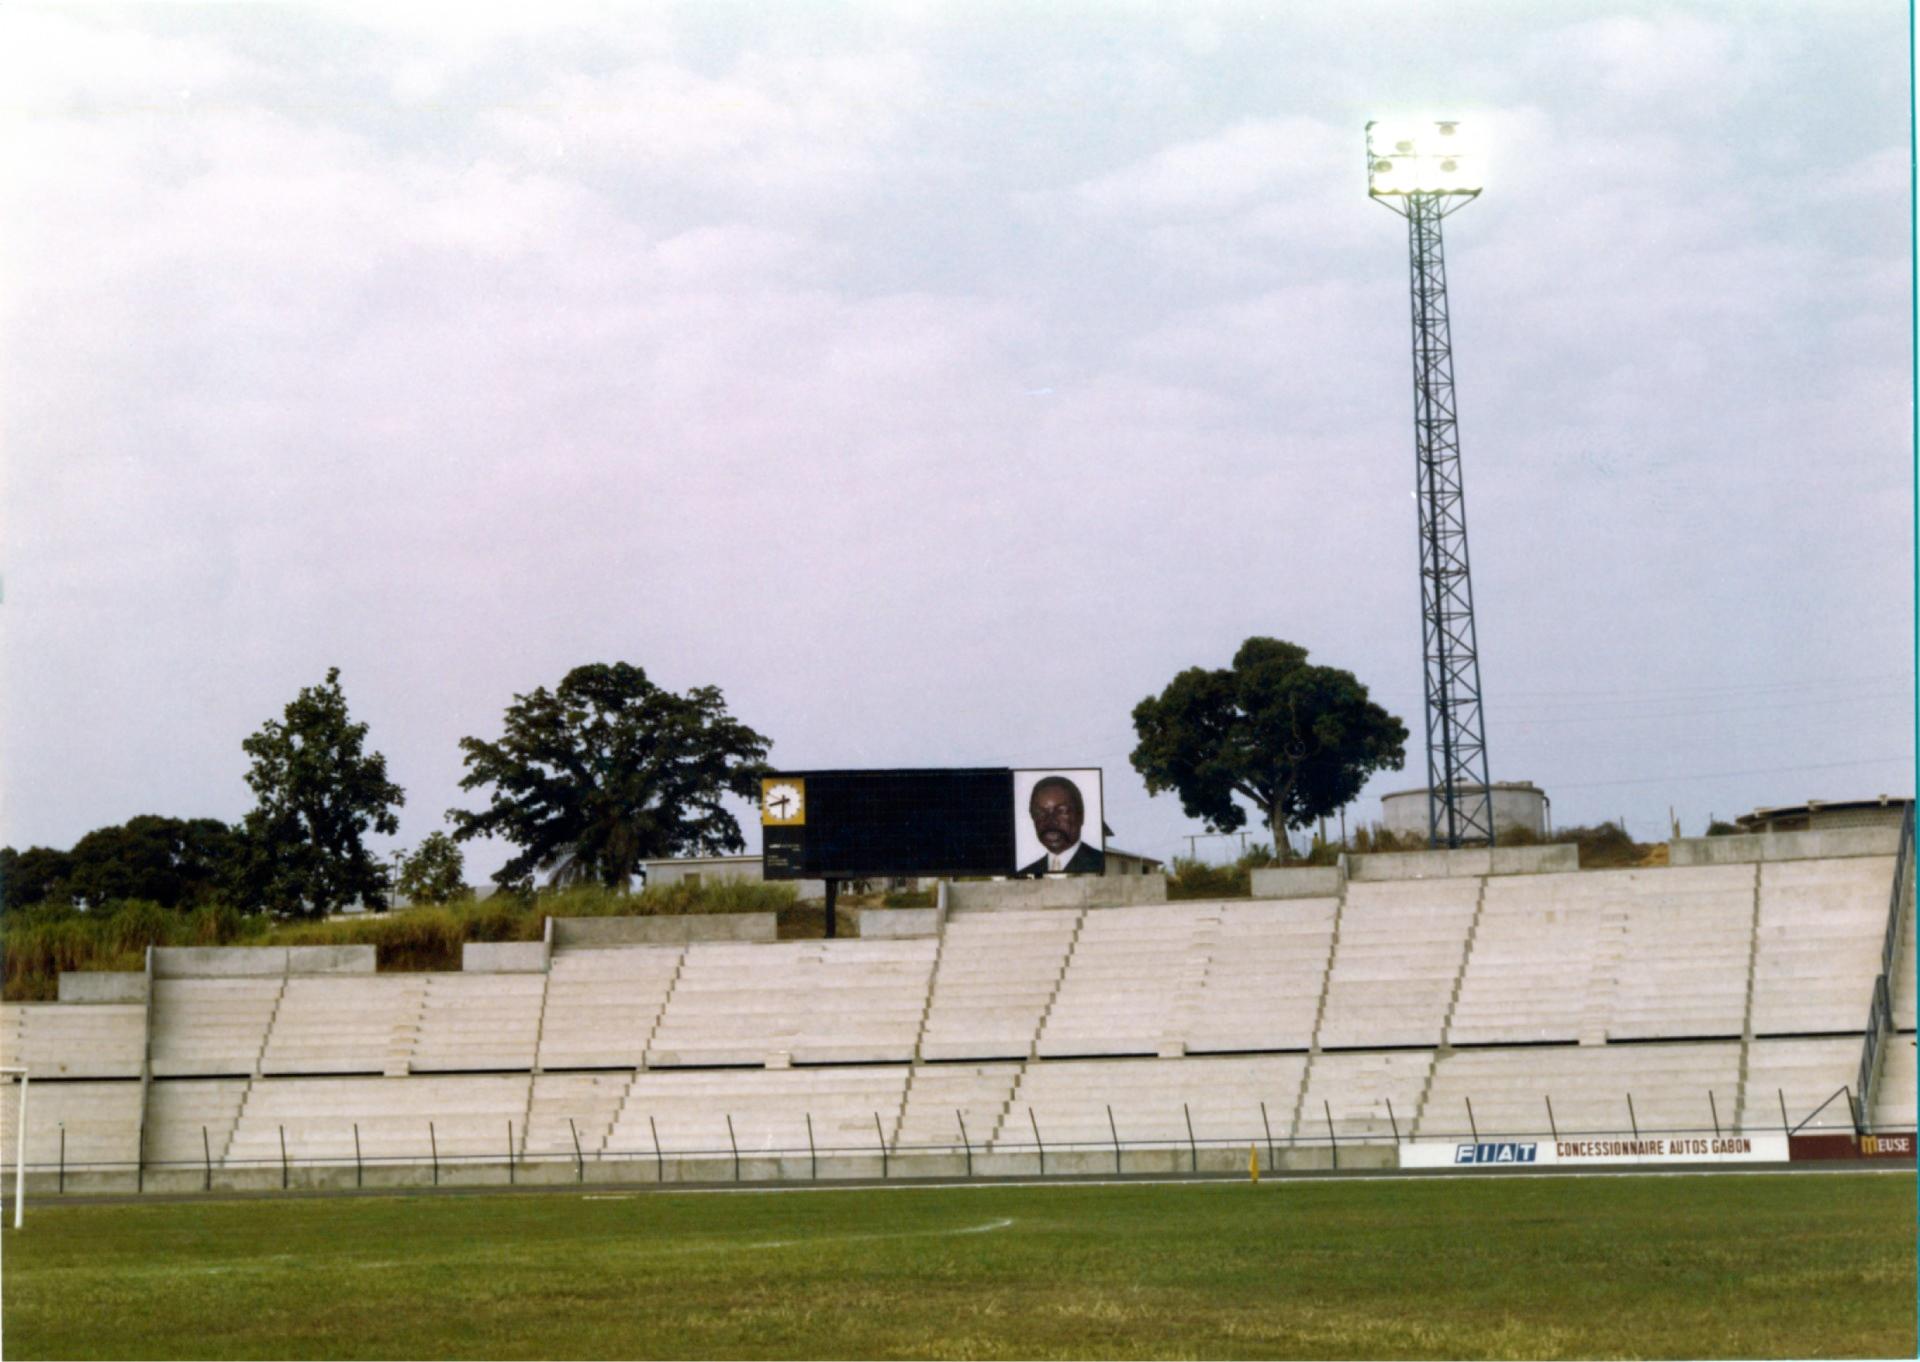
pixel 37 943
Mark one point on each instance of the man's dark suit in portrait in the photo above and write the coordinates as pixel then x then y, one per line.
pixel 1058 813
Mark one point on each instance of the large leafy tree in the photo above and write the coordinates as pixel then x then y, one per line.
pixel 606 771
pixel 320 792
pixel 174 862
pixel 1294 741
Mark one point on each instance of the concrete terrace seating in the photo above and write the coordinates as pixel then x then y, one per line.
pixel 603 1004
pixel 812 1001
pixel 469 1114
pixel 1125 978
pixel 478 1021
pixel 1588 1086
pixel 1683 939
pixel 589 1100
pixel 212 1026
pixel 349 1023
pixel 1368 1094
pixel 998 970
pixel 769 1109
pixel 101 1121
pixel 1069 1100
pixel 1798 1075
pixel 75 1040
pixel 1822 928
pixel 940 1096
pixel 180 1109
pixel 1528 973
pixel 1395 961
pixel 1259 986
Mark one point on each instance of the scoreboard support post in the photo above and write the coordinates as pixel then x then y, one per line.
pixel 833 890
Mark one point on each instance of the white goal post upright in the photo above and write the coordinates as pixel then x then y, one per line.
pixel 20 1154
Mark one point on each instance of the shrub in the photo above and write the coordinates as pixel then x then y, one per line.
pixel 1195 879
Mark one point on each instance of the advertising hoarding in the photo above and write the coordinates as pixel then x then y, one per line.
pixel 1595 1151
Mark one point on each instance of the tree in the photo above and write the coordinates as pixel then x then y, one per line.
pixel 1295 741
pixel 435 871
pixel 174 862
pixel 319 793
pixel 607 771
pixel 34 876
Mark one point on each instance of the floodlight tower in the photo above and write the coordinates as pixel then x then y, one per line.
pixel 1425 171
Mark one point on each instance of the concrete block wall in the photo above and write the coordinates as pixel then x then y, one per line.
pixel 1747 848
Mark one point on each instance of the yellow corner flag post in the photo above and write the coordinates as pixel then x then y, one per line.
pixel 1253 1163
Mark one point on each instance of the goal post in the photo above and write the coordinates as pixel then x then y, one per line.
pixel 19 1151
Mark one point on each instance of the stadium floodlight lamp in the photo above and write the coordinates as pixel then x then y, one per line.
pixel 1423 156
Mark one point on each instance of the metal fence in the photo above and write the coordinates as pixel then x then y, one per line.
pixel 1325 1138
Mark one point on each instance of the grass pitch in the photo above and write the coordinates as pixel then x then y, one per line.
pixel 1745 1266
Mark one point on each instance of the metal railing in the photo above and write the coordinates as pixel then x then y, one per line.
pixel 1880 1009
pixel 1332 1132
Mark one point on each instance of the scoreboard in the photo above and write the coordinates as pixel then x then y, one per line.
pixel 948 821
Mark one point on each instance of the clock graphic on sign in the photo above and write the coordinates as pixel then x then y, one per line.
pixel 783 803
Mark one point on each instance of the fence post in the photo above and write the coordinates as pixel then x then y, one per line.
pixel 358 1177
pixel 736 1147
pixel 1193 1152
pixel 813 1155
pixel 1632 1118
pixel 964 1141
pixel 433 1141
pixel 880 1136
pixel 1394 1123
pixel 1035 1123
pixel 1472 1125
pixel 1268 1127
pixel 1714 1107
pixel 509 1152
pixel 62 1189
pixel 283 1158
pixel 1552 1124
pixel 579 1164
pixel 659 1162
pixel 206 1154
pixel 1332 1138
pixel 1115 1132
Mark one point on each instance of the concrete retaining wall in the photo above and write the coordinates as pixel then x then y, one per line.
pixel 1299 882
pixel 1434 865
pixel 894 923
pixel 103 986
pixel 1819 844
pixel 574 933
pixel 172 962
pixel 331 959
pixel 503 957
pixel 1078 891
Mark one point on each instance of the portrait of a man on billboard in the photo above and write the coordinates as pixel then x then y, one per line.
pixel 1057 823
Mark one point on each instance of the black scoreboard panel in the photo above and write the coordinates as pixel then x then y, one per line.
pixel 861 824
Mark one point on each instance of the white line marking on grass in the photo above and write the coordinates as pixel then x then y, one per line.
pixel 987 1228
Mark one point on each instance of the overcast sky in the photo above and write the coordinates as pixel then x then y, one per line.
pixel 939 380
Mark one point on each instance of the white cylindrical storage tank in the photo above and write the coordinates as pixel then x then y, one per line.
pixel 1517 805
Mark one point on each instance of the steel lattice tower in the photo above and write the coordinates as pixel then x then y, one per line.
pixel 1424 176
